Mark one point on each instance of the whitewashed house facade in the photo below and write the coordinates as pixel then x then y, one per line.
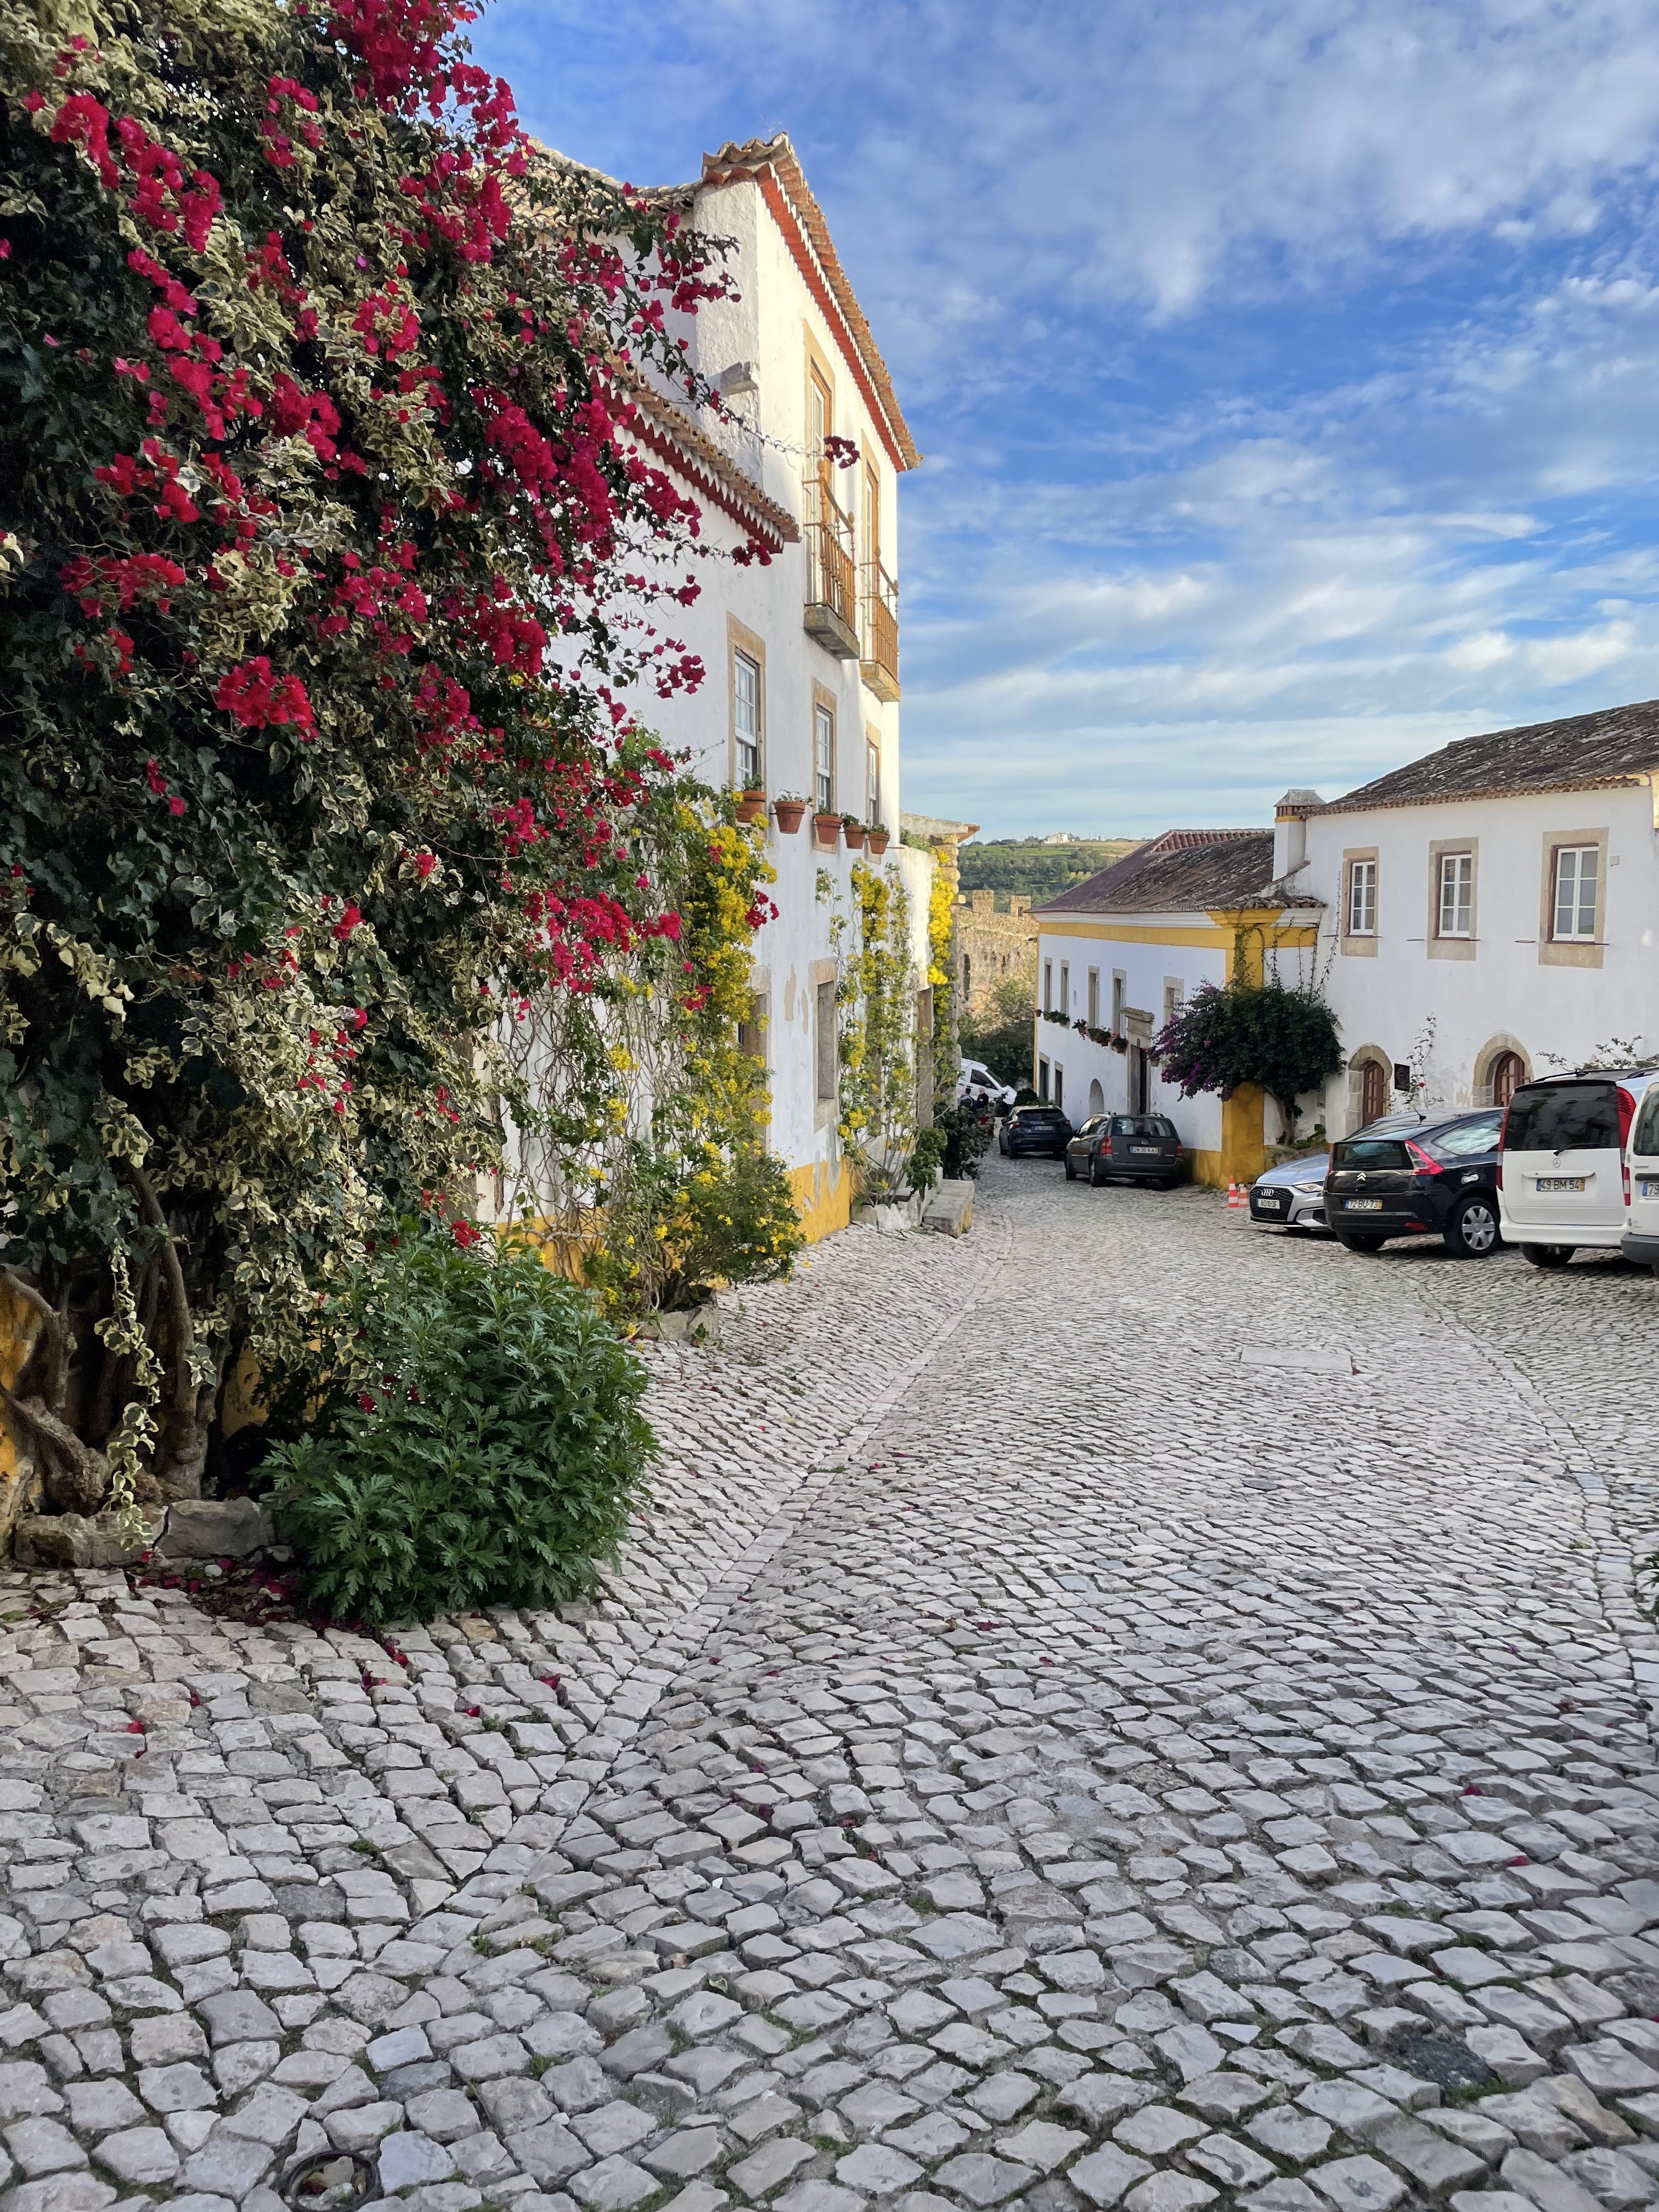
pixel 1120 953
pixel 800 697
pixel 1486 913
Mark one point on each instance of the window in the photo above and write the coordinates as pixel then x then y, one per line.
pixel 1066 988
pixel 1060 1085
pixel 1571 1117
pixel 1042 1079
pixel 752 1032
pixel 967 977
pixel 824 755
pixel 746 719
pixel 873 782
pixel 1142 1124
pixel 825 1040
pixel 1174 996
pixel 1577 877
pixel 1094 998
pixel 1048 986
pixel 1118 987
pixel 1362 896
pixel 1465 1140
pixel 1456 894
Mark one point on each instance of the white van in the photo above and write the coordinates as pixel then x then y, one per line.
pixel 1640 1241
pixel 1561 1163
pixel 975 1080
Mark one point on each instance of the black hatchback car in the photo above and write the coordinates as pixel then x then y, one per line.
pixel 1042 1129
pixel 1126 1148
pixel 1437 1177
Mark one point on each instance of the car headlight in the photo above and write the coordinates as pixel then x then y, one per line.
pixel 1310 1189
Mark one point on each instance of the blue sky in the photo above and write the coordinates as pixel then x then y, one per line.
pixel 1288 375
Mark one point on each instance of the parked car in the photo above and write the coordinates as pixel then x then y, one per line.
pixel 1562 1170
pixel 1292 1194
pixel 1640 1241
pixel 1406 1178
pixel 975 1080
pixel 1042 1129
pixel 1126 1148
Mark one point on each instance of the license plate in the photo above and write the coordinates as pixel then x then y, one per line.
pixel 1651 1190
pixel 1271 1204
pixel 1560 1182
pixel 1146 1151
pixel 1363 1204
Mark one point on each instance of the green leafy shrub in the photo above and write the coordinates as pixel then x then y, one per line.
pixel 676 1231
pixel 966 1136
pixel 927 1156
pixel 476 1439
pixel 999 1034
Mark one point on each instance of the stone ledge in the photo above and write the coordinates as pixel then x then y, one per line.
pixel 950 1208
pixel 194 1528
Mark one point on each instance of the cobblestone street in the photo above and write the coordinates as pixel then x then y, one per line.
pixel 1046 1747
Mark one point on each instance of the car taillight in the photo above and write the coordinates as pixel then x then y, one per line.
pixel 1500 1172
pixel 1623 1167
pixel 1425 1165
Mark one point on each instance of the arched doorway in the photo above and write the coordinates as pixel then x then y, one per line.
pixel 1097 1099
pixel 1373 1092
pixel 1508 1072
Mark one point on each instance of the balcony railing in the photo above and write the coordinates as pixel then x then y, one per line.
pixel 879 630
pixel 831 613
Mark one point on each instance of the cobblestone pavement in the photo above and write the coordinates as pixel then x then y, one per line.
pixel 1041 1750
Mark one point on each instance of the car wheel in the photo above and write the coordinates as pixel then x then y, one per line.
pixel 1356 1243
pixel 1071 1169
pixel 1546 1256
pixel 1096 1178
pixel 1472 1232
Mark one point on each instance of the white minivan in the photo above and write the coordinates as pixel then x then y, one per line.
pixel 1561 1161
pixel 1640 1241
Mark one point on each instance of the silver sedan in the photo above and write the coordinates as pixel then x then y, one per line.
pixel 1292 1194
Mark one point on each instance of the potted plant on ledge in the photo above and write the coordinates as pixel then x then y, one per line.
pixel 879 838
pixel 751 803
pixel 853 831
pixel 826 828
pixel 788 814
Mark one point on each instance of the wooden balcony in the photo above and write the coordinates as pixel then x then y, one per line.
pixel 879 631
pixel 831 612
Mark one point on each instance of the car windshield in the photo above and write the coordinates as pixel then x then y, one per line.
pixel 1464 1141
pixel 1370 1153
pixel 1567 1117
pixel 1039 1114
pixel 1142 1124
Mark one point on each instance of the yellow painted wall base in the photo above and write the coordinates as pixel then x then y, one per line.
pixel 1206 1168
pixel 823 1194
pixel 1243 1146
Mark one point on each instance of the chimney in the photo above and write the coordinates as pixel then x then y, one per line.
pixel 1291 832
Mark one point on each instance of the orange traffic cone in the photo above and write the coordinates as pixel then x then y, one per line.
pixel 1235 1198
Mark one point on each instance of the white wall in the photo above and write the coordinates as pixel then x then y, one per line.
pixel 1510 989
pixel 767 325
pixel 1145 968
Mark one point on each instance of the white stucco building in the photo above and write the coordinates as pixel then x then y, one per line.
pixel 1117 955
pixel 801 694
pixel 1488 913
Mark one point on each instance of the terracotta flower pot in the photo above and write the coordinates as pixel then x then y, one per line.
pixel 853 833
pixel 751 805
pixel 826 828
pixel 788 814
pixel 878 842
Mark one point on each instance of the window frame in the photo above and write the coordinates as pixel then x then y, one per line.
pixel 873 776
pixel 1455 897
pixel 1094 998
pixel 1453 944
pixel 742 644
pixel 1555 952
pixel 824 781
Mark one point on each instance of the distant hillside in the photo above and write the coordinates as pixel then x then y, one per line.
pixel 1042 872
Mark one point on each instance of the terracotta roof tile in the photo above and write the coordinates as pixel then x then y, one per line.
pixel 1615 745
pixel 1184 871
